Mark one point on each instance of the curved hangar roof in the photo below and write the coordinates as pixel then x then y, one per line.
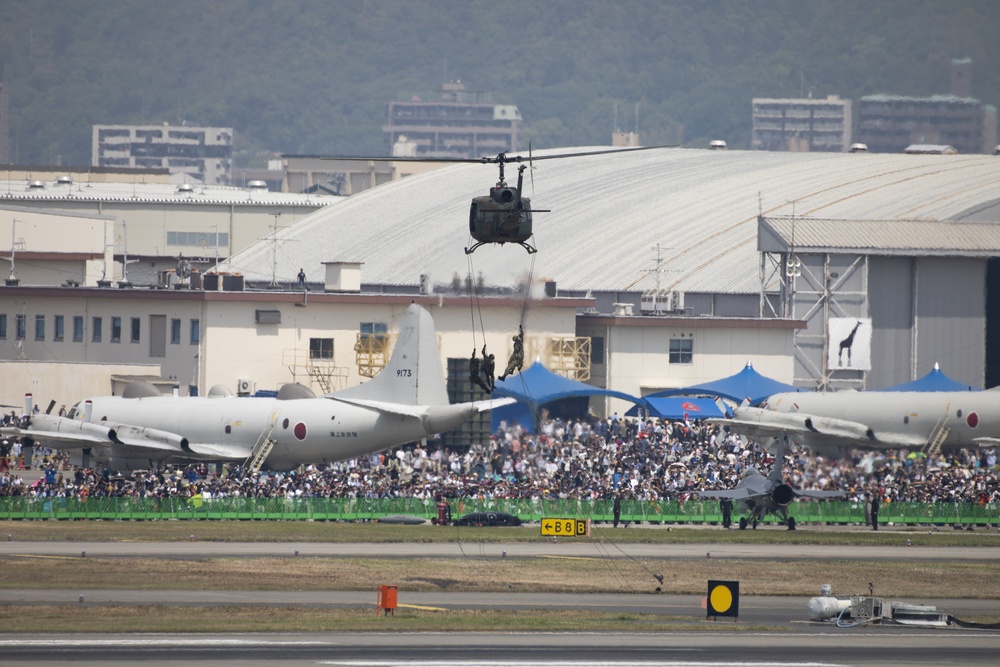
pixel 608 213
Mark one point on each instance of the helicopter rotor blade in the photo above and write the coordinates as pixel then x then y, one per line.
pixel 586 153
pixel 493 159
pixel 356 158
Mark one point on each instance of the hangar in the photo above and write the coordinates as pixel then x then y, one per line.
pixel 665 241
pixel 656 269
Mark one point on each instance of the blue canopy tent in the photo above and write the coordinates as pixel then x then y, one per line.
pixel 536 386
pixel 933 381
pixel 677 407
pixel 747 384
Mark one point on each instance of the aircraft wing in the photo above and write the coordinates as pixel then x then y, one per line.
pixel 417 411
pixel 492 403
pixel 401 409
pixel 58 439
pixel 732 494
pixel 218 452
pixel 815 493
pixel 816 431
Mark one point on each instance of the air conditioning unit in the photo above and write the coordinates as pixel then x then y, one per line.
pixel 244 387
pixel 676 300
pixel 622 309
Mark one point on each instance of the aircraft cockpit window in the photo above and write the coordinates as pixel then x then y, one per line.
pixel 284 423
pixel 958 414
pixel 72 412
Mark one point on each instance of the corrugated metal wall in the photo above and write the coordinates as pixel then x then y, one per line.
pixel 926 311
pixel 951 317
pixel 890 303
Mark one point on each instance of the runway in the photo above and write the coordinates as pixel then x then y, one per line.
pixel 892 648
pixel 696 641
pixel 207 549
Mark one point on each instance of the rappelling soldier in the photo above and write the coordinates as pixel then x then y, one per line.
pixel 489 368
pixel 475 375
pixel 517 356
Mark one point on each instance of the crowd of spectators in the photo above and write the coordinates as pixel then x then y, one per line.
pixel 575 459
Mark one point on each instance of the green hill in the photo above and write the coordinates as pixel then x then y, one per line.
pixel 314 76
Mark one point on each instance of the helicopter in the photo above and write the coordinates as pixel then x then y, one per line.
pixel 504 215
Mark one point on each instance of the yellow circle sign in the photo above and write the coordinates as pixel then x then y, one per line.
pixel 721 599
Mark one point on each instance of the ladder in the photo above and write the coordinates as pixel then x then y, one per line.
pixel 938 436
pixel 261 448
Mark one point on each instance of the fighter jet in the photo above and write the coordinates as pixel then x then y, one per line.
pixel 405 402
pixel 830 422
pixel 758 495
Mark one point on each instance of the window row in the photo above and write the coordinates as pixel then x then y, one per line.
pixel 96 328
pixel 200 239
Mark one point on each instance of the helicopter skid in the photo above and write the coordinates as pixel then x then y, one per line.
pixel 531 249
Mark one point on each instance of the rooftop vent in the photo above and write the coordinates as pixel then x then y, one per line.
pixel 64 180
pixel 36 185
pixel 717 145
pixel 257 185
pixel 185 187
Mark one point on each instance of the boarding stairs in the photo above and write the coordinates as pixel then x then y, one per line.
pixel 265 443
pixel 938 436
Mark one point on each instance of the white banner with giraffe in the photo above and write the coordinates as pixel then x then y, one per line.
pixel 850 343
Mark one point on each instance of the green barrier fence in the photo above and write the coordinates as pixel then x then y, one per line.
pixel 357 509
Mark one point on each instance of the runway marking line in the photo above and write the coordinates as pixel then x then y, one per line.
pixel 51 557
pixel 570 558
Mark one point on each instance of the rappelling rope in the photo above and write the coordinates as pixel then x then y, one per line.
pixel 603 539
pixel 474 304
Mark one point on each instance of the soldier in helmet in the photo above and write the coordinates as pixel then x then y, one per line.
pixel 475 374
pixel 489 368
pixel 517 356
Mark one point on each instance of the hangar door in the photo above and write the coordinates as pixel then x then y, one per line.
pixel 926 311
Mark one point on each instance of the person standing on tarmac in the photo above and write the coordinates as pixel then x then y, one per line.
pixel 727 512
pixel 517 356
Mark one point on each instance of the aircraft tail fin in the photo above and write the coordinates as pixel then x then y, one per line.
pixel 723 408
pixel 413 375
pixel 777 473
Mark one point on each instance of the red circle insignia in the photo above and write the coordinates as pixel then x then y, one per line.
pixel 300 431
pixel 972 420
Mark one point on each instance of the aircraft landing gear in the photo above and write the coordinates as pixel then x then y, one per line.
pixel 755 523
pixel 791 523
pixel 743 523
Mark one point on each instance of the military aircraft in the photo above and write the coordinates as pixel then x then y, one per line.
pixel 141 429
pixel 758 495
pixel 830 422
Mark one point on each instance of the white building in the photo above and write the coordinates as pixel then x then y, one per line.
pixel 154 222
pixel 202 154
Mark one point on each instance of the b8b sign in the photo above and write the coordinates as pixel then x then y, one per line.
pixel 566 527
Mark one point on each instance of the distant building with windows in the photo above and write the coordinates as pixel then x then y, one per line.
pixel 204 154
pixel 890 123
pixel 800 125
pixel 81 225
pixel 461 124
